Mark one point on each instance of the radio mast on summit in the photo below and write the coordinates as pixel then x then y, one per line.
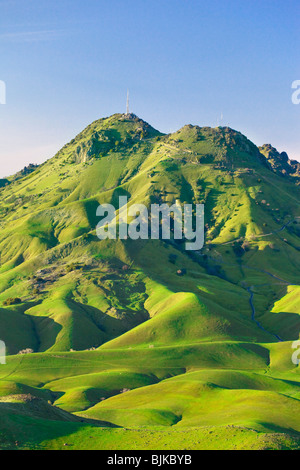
pixel 127 103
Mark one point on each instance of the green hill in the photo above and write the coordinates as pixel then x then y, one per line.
pixel 142 334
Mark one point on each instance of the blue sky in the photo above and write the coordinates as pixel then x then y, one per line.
pixel 66 63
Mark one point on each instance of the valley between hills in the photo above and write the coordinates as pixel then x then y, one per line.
pixel 140 344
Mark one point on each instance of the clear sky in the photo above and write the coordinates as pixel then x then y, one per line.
pixel 68 62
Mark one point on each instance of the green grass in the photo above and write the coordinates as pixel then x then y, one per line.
pixel 175 361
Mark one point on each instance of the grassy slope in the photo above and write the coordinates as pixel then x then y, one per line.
pixel 188 346
pixel 218 389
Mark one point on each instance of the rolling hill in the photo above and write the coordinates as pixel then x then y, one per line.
pixel 123 339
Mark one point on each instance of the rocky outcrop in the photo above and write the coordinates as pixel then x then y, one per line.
pixel 280 162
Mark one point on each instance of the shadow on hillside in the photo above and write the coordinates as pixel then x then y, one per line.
pixel 46 331
pixel 270 427
pixel 112 326
pixel 33 421
pixel 20 330
pixel 91 207
pixel 284 324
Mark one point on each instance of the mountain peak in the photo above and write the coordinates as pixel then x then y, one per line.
pixel 221 145
pixel 109 133
pixel 280 162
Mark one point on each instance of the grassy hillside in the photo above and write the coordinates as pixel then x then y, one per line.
pixel 170 345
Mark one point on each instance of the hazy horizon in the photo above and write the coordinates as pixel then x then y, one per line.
pixel 52 150
pixel 223 63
